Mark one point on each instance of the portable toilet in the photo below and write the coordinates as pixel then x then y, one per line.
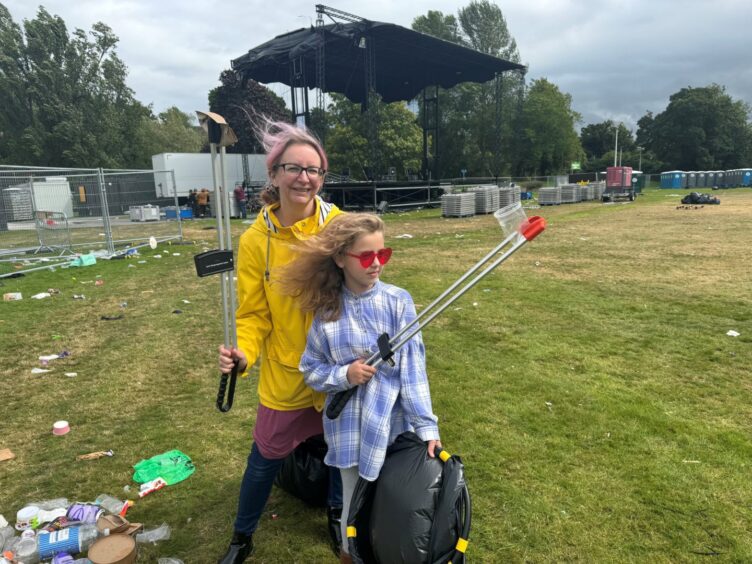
pixel 746 177
pixel 666 179
pixel 720 178
pixel 692 179
pixel 638 181
pixel 700 177
pixel 710 178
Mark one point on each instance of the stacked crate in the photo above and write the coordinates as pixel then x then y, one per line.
pixel 458 205
pixel 549 196
pixel 486 198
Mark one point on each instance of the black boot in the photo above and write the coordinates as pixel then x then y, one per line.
pixel 334 516
pixel 240 548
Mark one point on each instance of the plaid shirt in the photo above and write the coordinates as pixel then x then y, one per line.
pixel 395 400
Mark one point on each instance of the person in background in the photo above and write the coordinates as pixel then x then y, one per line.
pixel 192 202
pixel 336 277
pixel 202 200
pixel 272 327
pixel 241 200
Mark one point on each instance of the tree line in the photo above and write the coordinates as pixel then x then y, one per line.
pixel 64 101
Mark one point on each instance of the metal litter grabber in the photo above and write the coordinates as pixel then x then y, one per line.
pixel 518 228
pixel 220 261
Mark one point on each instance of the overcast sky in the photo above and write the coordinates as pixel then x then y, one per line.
pixel 616 58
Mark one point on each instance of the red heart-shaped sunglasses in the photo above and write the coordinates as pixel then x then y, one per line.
pixel 366 258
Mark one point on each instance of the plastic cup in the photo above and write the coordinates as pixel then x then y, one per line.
pixel 510 218
pixel 26 517
pixel 60 428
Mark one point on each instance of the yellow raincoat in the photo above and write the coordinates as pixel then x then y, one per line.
pixel 271 325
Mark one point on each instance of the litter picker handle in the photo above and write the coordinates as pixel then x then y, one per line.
pixel 233 377
pixel 339 402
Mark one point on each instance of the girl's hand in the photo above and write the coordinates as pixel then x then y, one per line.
pixel 432 446
pixel 359 373
pixel 227 358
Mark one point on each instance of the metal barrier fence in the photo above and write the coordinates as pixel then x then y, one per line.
pixel 59 210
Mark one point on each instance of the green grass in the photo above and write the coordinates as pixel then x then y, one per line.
pixel 601 410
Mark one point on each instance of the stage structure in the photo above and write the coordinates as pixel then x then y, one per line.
pixel 361 57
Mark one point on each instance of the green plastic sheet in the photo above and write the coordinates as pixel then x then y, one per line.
pixel 172 466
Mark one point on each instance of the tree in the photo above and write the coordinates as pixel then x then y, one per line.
pixel 549 141
pixel 598 142
pixel 700 129
pixel 399 139
pixel 467 128
pixel 244 106
pixel 63 98
pixel 172 131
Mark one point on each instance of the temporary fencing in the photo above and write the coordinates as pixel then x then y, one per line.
pixel 64 210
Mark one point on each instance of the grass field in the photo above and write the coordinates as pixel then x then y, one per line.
pixel 589 384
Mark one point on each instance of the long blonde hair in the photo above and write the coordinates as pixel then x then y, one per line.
pixel 313 278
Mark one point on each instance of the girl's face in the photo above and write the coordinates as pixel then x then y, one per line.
pixel 297 188
pixel 357 278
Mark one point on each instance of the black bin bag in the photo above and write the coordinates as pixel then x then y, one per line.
pixel 303 473
pixel 417 512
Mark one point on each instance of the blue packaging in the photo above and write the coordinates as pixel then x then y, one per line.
pixel 64 540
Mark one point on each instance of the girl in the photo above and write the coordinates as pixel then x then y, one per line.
pixel 336 276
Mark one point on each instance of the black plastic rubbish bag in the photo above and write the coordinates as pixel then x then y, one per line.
pixel 418 511
pixel 304 474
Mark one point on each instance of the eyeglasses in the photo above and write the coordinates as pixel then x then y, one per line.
pixel 294 170
pixel 366 258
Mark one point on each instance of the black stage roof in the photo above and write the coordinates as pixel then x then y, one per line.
pixel 404 61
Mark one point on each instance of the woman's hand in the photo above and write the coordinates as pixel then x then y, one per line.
pixel 359 372
pixel 227 358
pixel 432 446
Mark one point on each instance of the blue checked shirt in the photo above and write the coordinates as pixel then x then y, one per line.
pixel 395 400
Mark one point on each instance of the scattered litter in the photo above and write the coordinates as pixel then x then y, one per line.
pixel 132 265
pixel 56 337
pixel 149 487
pixel 44 359
pixel 84 260
pixel 176 254
pixel 60 428
pixel 177 311
pixel 550 406
pixel 583 238
pixel 40 296
pixel 186 302
pixel 39 370
pixel 95 455
pixel 275 516
pixel 457 308
pixel 112 317
pixel 6 454
pixel 124 304
pixel 157 256
pixel 142 262
pixel 53 291
pixel 154 535
pixel 87 281
pixel 153 242
pixel 486 289
pixel 404 236
pixel 537 263
pixel 79 297
pixel 169 560
pixel 12 296
pixel 99 283
pixel 733 333
pixel 126 488
pixel 475 304
pixel 458 235
pixel 71 374
pixel 691 461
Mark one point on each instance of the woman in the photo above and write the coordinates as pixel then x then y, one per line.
pixel 271 326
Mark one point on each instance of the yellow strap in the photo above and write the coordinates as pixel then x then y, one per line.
pixel 444 455
pixel 461 545
pixel 351 532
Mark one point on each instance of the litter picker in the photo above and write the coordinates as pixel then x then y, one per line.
pixel 220 261
pixel 518 229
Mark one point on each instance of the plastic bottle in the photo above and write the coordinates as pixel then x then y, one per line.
pixel 6 533
pixel 110 504
pixel 71 539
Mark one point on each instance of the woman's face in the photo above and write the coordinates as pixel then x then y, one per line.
pixel 357 278
pixel 297 190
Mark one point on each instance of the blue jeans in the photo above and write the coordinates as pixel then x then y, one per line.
pixel 257 485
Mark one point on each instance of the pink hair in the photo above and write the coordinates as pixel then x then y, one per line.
pixel 277 136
